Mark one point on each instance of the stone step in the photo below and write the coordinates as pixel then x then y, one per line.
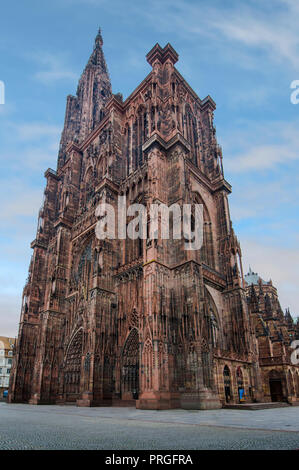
pixel 125 403
pixel 257 406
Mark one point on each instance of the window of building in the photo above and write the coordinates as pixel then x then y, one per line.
pixel 8 371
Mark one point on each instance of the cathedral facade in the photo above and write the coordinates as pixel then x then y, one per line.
pixel 144 322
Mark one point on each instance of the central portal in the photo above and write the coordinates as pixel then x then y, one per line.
pixel 130 367
pixel 276 390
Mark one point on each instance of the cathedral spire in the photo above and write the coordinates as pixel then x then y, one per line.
pixel 97 57
pixel 85 110
pixel 288 317
pixel 99 40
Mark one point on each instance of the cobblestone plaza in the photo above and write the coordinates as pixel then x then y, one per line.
pixel 27 427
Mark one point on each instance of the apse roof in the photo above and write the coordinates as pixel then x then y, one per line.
pixel 253 278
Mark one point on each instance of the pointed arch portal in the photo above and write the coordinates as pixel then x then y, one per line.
pixel 240 384
pixel 276 387
pixel 130 367
pixel 227 384
pixel 72 368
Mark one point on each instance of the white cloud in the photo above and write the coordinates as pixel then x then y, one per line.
pixel 39 143
pixel 277 34
pixel 10 308
pixel 36 130
pixel 248 98
pixel 53 68
pixel 273 31
pixel 23 201
pixel 7 108
pixel 253 199
pixel 263 157
pixel 19 209
pixel 270 27
pixel 262 146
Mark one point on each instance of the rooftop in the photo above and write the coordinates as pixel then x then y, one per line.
pixel 7 343
pixel 253 278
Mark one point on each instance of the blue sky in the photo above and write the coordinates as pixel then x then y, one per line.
pixel 244 54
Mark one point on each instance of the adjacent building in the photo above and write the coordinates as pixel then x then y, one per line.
pixel 275 333
pixel 6 358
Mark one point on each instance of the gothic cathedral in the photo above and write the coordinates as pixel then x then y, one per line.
pixel 145 322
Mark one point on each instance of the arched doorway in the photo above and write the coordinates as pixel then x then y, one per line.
pixel 130 367
pixel 275 384
pixel 72 368
pixel 240 384
pixel 227 384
